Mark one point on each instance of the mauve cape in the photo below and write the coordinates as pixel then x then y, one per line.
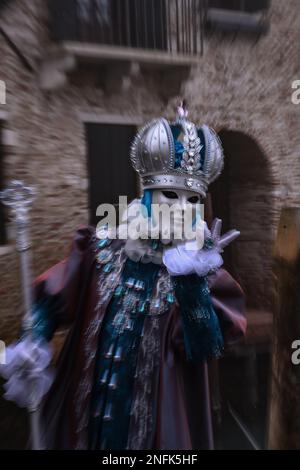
pixel 179 402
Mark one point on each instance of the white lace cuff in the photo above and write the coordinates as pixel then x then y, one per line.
pixel 27 374
pixel 180 261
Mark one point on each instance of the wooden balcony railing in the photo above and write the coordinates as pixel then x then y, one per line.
pixel 173 26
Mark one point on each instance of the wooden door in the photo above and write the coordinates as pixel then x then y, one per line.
pixel 110 172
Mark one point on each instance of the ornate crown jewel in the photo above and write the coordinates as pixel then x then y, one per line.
pixel 178 155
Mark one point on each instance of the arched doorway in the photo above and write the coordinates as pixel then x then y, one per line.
pixel 242 198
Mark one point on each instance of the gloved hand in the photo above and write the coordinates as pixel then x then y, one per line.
pixel 27 373
pixel 186 258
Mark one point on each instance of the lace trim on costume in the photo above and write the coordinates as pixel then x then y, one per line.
pixel 106 284
pixel 142 406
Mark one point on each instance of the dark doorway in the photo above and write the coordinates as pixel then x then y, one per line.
pixel 110 172
pixel 242 198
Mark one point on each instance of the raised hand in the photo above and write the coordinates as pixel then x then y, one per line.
pixel 214 235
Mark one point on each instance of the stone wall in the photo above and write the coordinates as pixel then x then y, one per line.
pixel 240 85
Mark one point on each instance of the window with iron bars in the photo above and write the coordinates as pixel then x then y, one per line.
pixel 249 6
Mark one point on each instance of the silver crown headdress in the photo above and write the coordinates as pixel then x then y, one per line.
pixel 197 163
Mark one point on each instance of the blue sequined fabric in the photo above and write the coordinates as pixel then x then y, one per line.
pixel 45 317
pixel 116 361
pixel 201 328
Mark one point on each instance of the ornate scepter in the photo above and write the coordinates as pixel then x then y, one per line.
pixel 19 198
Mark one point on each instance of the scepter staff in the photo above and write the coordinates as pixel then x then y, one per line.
pixel 19 199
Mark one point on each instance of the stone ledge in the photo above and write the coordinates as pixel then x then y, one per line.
pixel 98 53
pixel 120 64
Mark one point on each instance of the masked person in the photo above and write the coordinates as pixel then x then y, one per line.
pixel 146 314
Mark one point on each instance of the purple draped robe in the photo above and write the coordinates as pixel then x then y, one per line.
pixel 175 413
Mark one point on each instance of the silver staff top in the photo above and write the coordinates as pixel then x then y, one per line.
pixel 17 195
